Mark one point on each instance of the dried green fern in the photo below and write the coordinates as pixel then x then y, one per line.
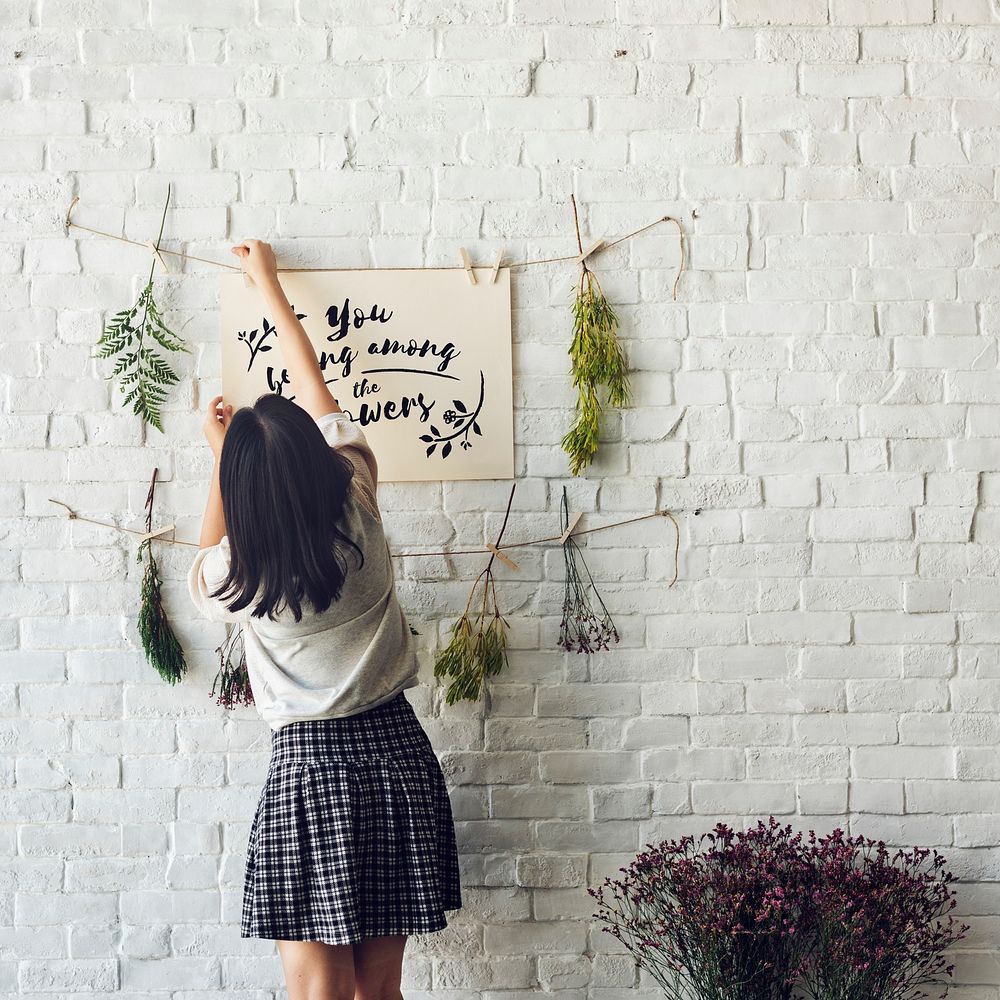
pixel 132 337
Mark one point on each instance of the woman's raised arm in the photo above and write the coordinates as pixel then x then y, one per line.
pixel 311 391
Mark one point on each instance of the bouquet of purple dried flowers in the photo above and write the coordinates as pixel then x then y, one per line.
pixel 881 920
pixel 763 914
pixel 716 917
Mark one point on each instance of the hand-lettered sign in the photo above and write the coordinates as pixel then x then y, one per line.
pixel 420 359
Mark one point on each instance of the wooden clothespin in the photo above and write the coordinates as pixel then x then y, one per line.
pixel 155 251
pixel 509 563
pixel 467 264
pixel 154 534
pixel 593 249
pixel 574 520
pixel 496 265
pixel 247 280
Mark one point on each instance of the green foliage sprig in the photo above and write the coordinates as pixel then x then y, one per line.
pixel 478 646
pixel 162 648
pixel 599 366
pixel 477 650
pixel 131 336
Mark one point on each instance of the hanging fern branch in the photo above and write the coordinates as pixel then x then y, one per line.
pixel 132 337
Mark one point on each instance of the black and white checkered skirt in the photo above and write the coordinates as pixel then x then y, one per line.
pixel 353 836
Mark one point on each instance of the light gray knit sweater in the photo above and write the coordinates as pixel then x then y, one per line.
pixel 353 656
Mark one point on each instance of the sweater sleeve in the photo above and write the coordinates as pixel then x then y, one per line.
pixel 207 572
pixel 347 437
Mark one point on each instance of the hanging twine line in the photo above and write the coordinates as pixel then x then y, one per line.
pixel 492 549
pixel 599 247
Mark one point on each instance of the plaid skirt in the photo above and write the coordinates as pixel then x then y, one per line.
pixel 353 835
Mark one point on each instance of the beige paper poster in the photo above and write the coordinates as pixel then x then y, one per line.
pixel 420 359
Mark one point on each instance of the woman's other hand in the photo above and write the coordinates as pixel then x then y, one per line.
pixel 216 424
pixel 258 260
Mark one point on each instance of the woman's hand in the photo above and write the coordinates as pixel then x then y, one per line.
pixel 258 261
pixel 216 424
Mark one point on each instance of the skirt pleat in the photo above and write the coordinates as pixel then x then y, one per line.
pixel 353 835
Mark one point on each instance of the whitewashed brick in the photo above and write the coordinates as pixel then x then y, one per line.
pixel 669 11
pixel 894 12
pixel 483 78
pixel 792 626
pixel 851 80
pixel 744 79
pixel 763 797
pixel 572 78
pixel 808 44
pixel 740 183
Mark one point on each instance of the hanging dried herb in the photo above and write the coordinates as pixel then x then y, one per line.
pixel 232 678
pixel 162 649
pixel 477 650
pixel 131 336
pixel 478 645
pixel 581 628
pixel 599 366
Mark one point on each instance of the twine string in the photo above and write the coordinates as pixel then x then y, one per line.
pixel 523 263
pixel 156 535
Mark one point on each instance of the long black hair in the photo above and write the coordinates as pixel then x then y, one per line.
pixel 283 493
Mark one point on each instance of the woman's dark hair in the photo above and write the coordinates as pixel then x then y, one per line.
pixel 283 492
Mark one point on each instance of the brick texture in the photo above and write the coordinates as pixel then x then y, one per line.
pixel 825 390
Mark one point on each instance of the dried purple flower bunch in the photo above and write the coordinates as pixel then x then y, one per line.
pixel 881 920
pixel 581 629
pixel 717 917
pixel 232 678
pixel 763 914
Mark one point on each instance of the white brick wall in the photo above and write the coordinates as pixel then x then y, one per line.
pixel 825 390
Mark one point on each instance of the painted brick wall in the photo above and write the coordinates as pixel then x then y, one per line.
pixel 825 389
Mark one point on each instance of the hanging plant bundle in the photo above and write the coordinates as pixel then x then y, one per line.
pixel 581 629
pixel 478 645
pixel 132 337
pixel 598 361
pixel 162 648
pixel 599 366
pixel 232 678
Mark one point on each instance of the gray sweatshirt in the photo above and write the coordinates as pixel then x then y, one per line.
pixel 353 656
